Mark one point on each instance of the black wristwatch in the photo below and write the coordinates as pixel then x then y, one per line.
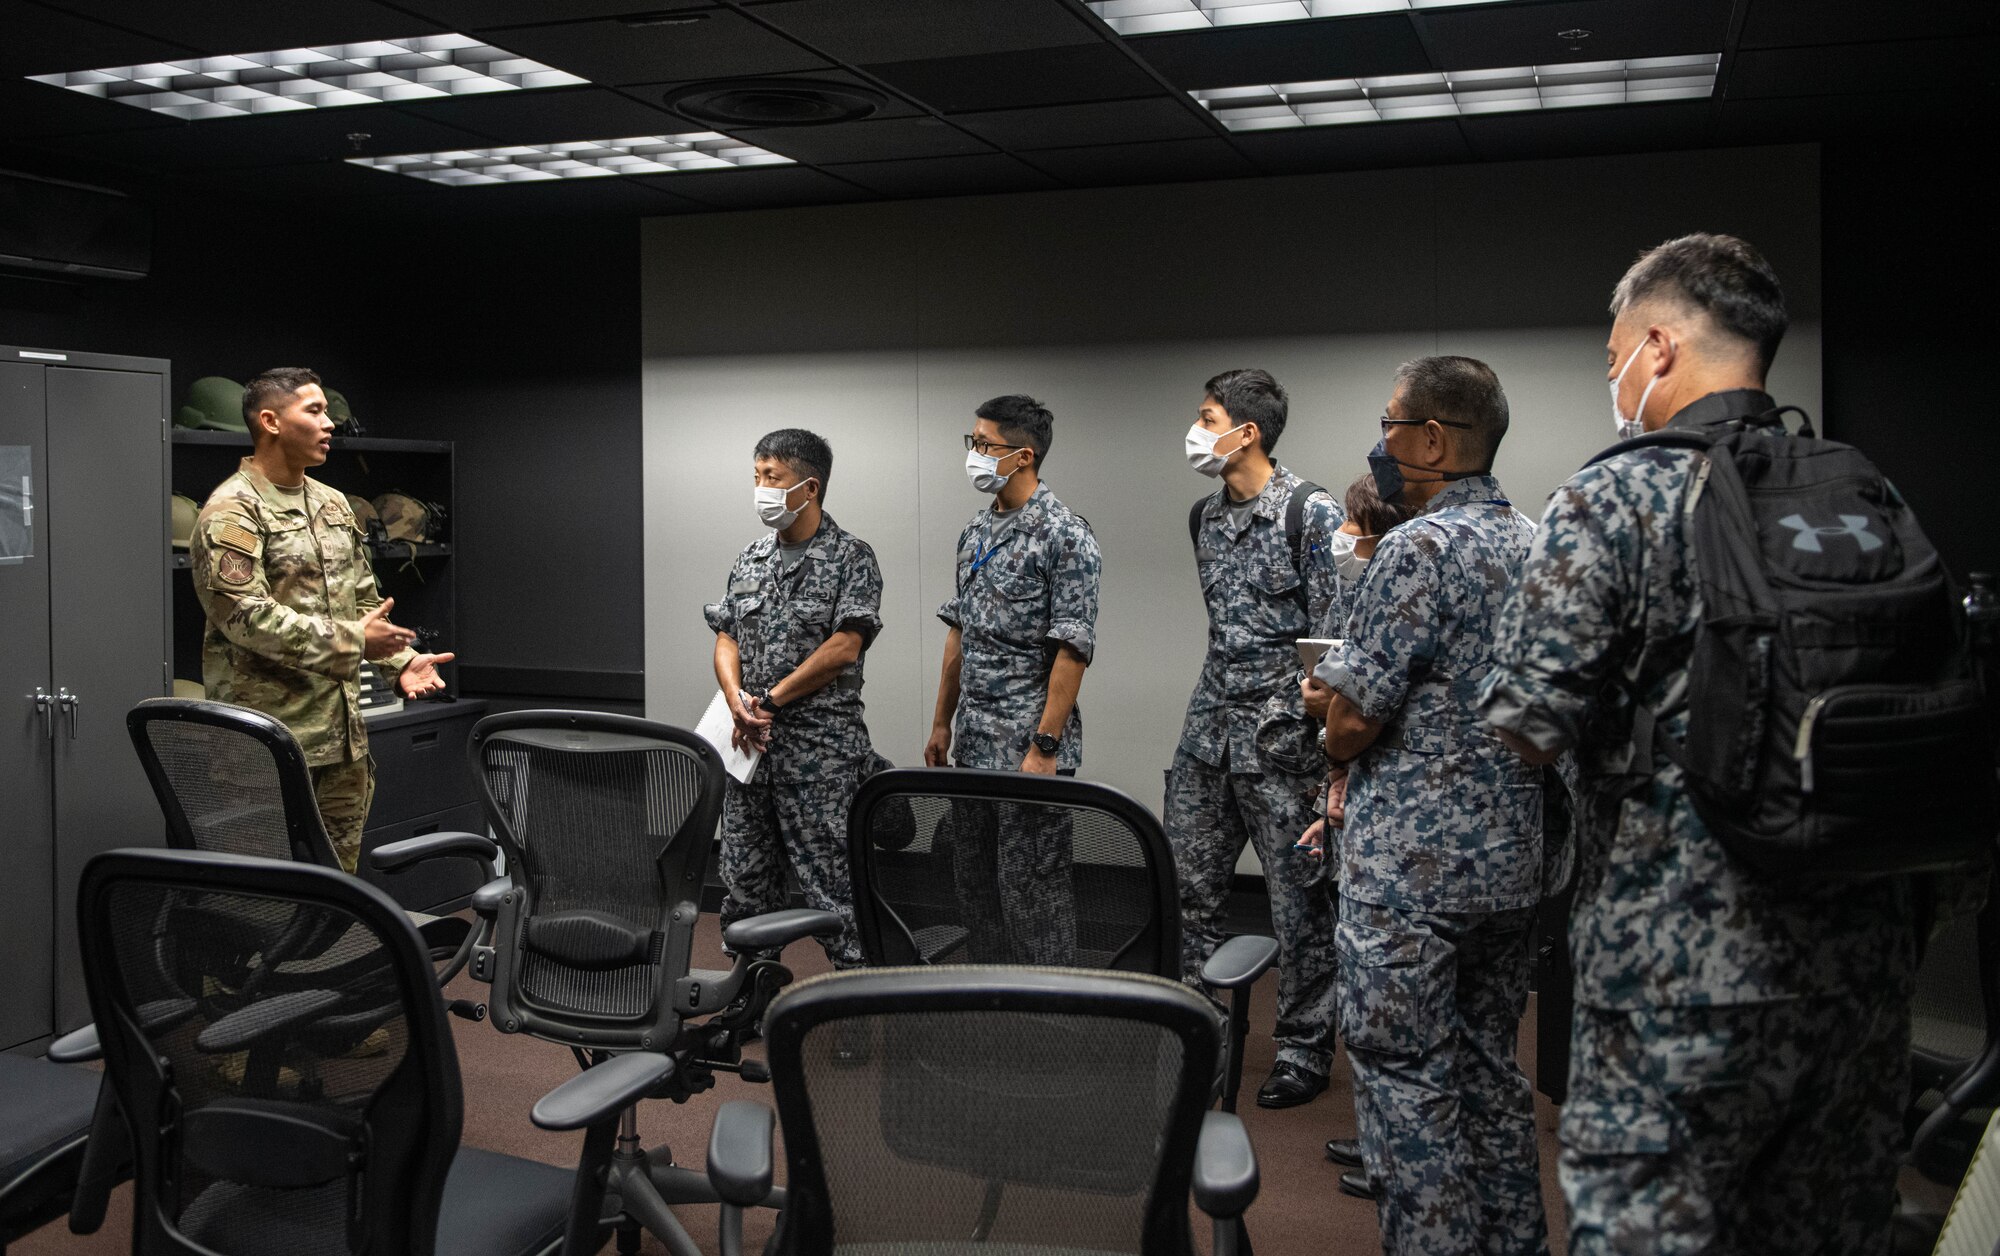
pixel 1047 743
pixel 763 697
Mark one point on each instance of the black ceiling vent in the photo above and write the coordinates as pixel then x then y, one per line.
pixel 773 102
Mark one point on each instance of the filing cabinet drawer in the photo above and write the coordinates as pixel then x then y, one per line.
pixel 420 766
pixel 427 885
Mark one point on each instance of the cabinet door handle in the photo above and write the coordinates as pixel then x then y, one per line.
pixel 45 706
pixel 68 702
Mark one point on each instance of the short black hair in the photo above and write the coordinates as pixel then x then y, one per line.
pixel 272 389
pixel 1720 275
pixel 806 453
pixel 1023 421
pixel 1369 512
pixel 1462 393
pixel 1252 396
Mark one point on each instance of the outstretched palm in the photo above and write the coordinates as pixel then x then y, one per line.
pixel 421 676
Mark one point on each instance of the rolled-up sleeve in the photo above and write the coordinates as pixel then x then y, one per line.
pixel 1393 634
pixel 859 606
pixel 1073 591
pixel 721 613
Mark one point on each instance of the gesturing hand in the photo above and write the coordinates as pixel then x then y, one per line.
pixel 421 676
pixel 379 637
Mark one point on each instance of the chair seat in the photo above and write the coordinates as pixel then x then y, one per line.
pixel 497 1205
pixel 42 1107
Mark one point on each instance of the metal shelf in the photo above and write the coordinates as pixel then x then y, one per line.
pixel 354 444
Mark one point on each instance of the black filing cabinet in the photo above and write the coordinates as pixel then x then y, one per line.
pixel 423 785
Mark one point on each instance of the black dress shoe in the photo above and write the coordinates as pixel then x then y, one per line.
pixel 1345 1152
pixel 1288 1086
pixel 1355 1182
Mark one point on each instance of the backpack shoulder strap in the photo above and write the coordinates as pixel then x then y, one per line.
pixel 1665 438
pixel 1295 536
pixel 1194 516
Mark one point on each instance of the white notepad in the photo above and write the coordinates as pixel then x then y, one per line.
pixel 715 728
pixel 1311 649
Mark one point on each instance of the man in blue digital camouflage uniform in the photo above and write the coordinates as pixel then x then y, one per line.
pixel 803 602
pixel 1248 766
pixel 1441 849
pixel 1740 1053
pixel 1023 619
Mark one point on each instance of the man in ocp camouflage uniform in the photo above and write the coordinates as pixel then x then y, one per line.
pixel 1441 844
pixel 1248 767
pixel 283 577
pixel 1023 620
pixel 1740 1054
pixel 804 601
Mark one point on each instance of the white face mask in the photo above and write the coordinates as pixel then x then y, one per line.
pixel 1201 453
pixel 984 471
pixel 771 507
pixel 1349 564
pixel 1636 425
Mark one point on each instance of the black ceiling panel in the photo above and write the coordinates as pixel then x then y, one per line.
pixel 1890 118
pixel 892 140
pixel 1912 65
pixel 1105 122
pixel 271 139
pixel 38 109
pixel 894 106
pixel 44 41
pixel 923 30
pixel 1286 52
pixel 765 187
pixel 947 176
pixel 1779 23
pixel 570 198
pixel 1529 34
pixel 609 53
pixel 1159 162
pixel 1306 149
pixel 217 27
pixel 550 117
pixel 470 15
pixel 1008 80
pixel 1580 132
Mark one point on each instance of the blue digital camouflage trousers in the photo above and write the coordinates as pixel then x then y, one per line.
pixel 1430 1006
pixel 1011 874
pixel 1210 813
pixel 1760 1128
pixel 803 823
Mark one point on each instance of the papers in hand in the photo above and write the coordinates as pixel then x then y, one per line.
pixel 1310 651
pixel 715 728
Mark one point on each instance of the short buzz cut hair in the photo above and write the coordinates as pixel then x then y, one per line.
pixel 806 453
pixel 272 389
pixel 1460 393
pixel 1252 396
pixel 1719 276
pixel 1023 421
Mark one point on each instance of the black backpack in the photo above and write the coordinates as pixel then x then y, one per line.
pixel 1835 720
pixel 1295 514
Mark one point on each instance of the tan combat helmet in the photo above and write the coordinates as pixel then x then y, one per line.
pixel 186 511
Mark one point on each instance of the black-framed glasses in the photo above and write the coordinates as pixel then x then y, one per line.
pixel 987 448
pixel 1388 423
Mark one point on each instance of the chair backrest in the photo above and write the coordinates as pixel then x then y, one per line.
pixel 607 822
pixel 283 1096
pixel 1036 1108
pixel 956 865
pixel 229 779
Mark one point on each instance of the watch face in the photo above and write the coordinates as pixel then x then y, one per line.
pixel 1047 744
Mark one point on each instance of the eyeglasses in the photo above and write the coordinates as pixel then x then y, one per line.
pixel 1388 423
pixel 987 448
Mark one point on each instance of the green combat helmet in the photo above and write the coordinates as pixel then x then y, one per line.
pixel 213 403
pixel 342 414
pixel 186 512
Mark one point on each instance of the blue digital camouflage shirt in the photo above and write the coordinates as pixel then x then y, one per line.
pixel 1015 605
pixel 1608 601
pixel 1441 816
pixel 777 618
pixel 1250 675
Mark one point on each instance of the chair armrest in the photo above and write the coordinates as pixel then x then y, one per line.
pixel 486 899
pixel 247 1025
pixel 1238 962
pixel 602 1091
pixel 739 1153
pixel 396 856
pixel 78 1046
pixel 1225 1167
pixel 781 928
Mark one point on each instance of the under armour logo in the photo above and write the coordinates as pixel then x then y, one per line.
pixel 1808 536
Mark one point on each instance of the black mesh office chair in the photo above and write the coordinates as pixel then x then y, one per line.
pixel 234 781
pixel 954 865
pixel 1010 1110
pixel 314 1122
pixel 46 1116
pixel 607 823
pixel 1955 1042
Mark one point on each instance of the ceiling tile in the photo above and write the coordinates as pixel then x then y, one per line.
pixel 1006 80
pixel 44 41
pixel 1863 69
pixel 1793 119
pixel 1164 161
pixel 1481 36
pixel 270 139
pixel 1287 52
pixel 468 15
pixel 947 176
pixel 567 198
pixel 1579 132
pixel 1381 144
pixel 919 30
pixel 890 140
pixel 768 187
pixel 39 109
pixel 218 27
pixel 580 113
pixel 1774 23
pixel 894 106
pixel 1105 122
pixel 722 45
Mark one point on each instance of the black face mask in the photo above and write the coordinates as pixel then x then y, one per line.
pixel 1389 478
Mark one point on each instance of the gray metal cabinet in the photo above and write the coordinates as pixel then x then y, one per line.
pixel 83 636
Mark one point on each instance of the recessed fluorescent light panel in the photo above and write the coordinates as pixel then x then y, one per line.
pixel 425 68
pixel 1461 93
pixel 583 159
pixel 1152 17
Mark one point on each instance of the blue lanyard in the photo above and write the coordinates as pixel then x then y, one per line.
pixel 980 556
